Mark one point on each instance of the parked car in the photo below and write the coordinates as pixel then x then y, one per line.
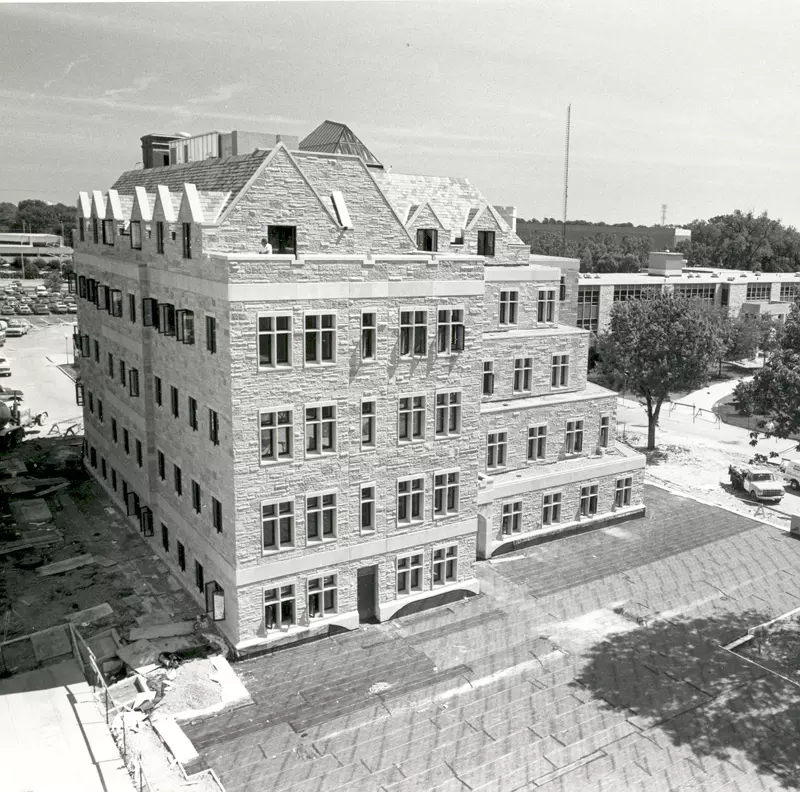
pixel 791 470
pixel 58 308
pixel 5 367
pixel 15 331
pixel 763 485
pixel 10 394
pixel 41 309
pixel 72 308
pixel 24 310
pixel 7 310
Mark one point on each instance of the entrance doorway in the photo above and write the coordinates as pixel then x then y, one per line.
pixel 367 593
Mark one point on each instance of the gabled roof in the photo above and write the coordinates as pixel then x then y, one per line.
pixel 331 137
pixel 141 210
pixel 501 223
pixel 98 205
pixel 84 205
pixel 415 212
pixel 227 175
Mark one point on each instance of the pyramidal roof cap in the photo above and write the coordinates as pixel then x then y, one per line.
pixel 331 137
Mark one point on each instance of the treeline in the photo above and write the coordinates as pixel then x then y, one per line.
pixel 37 217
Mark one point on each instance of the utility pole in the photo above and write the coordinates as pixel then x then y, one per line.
pixel 663 214
pixel 566 185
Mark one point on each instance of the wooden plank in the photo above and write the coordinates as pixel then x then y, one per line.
pixel 65 566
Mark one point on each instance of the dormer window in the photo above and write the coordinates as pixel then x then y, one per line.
pixel 187 240
pixel 283 239
pixel 486 243
pixel 136 235
pixel 159 236
pixel 427 239
pixel 108 232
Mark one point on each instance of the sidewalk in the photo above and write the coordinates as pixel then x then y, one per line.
pixel 52 736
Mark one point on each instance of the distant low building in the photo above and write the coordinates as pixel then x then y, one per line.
pixel 33 245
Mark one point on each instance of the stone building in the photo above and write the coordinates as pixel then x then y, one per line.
pixel 335 430
pixel 741 293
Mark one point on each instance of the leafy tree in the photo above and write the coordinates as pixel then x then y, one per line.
pixel 31 271
pixel 629 263
pixel 53 280
pixel 39 217
pixel 654 347
pixel 8 215
pixel 607 263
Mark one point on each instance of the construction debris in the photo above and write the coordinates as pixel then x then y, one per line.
pixel 65 566
pixel 162 630
pixel 90 614
pixel 34 511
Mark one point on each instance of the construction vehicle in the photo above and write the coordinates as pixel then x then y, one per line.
pixel 15 422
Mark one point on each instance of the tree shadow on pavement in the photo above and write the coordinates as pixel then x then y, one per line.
pixel 676 678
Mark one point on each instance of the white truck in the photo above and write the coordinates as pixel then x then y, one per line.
pixel 763 485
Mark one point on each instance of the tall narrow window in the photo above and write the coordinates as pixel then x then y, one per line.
pixel 196 497
pixel 187 240
pixel 368 335
pixel 166 319
pixel 159 236
pixel 275 435
pixel 216 514
pixel 537 443
pixel 559 377
pixel 410 501
pixel 321 430
pixel 136 235
pixel 573 437
pixel 139 454
pixel 448 414
pixel 322 597
pixel 509 307
pixel 184 326
pixel 279 608
pixel 450 330
pixel 277 524
pixel 546 305
pixel 445 565
pixel 485 243
pixel 165 537
pixel 150 313
pixel 588 500
pixel 496 448
pixel 181 556
pixel 108 232
pixel 605 427
pixel 321 516
pixel 445 493
pixel 211 334
pixel 411 418
pixel 162 465
pixel 409 574
pixel 175 404
pixel 158 390
pixel 115 308
pixel 368 419
pixel 488 377
pixel 622 495
pixel 275 341
pixel 523 375
pixel 551 508
pixel 413 333
pixel 131 307
pixel 320 338
pixel 95 234
pixel 367 519
pixel 511 518
pixel 213 426
pixel 177 477
pixel 193 422
pixel 133 382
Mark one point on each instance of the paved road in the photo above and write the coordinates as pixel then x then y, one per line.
pixel 592 663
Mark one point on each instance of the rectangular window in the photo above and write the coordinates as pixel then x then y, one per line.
pixel 108 232
pixel 159 236
pixel 150 316
pixel 546 305
pixel 187 240
pixel 523 375
pixel 410 501
pixel 114 434
pixel 100 410
pixel 95 232
pixel 277 524
pixel 216 514
pixel 758 292
pixel 368 419
pixel 551 508
pixel 573 437
pixel 450 330
pixel 445 493
pixel 488 377
pixel 91 290
pixel 413 333
pixel 562 289
pixel 279 608
pixel 622 495
pixel 82 229
pixel 126 441
pixel 428 239
pixel 136 234
pixel 369 350
pixel 509 307
pixel 588 500
pixel 605 428
pixel 177 477
pixel 162 465
pixel 588 307
pixel 485 243
pixel 193 422
pixel 448 414
pixel 696 291
pixel 321 430
pixel 409 574
pixel 199 576
pixel 115 308
pixel 85 348
pixel 110 359
pixel 322 597
pixel 367 519
pixel 184 326
pixel 511 518
pixel 91 403
pixel 634 291
pixel 411 418
pixel 445 565
pixel 496 447
pixel 133 382
pixel 213 426
pixel 275 435
pixel 537 443
pixel 114 479
pixel 159 391
pixel 165 537
pixel 82 286
pixel 283 239
pixel 139 455
pixel 559 376
pixel 275 341
pixel 211 334
pixel 174 399
pixel 96 351
pixel 320 338
pixel 131 307
pixel 166 319
pixel 321 517
pixel 181 556
pixel 196 497
pixel 789 292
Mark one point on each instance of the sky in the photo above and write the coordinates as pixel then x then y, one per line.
pixel 685 103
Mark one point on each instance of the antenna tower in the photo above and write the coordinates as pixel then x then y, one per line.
pixel 663 214
pixel 566 184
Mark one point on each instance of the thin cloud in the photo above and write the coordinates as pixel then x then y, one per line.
pixel 223 93
pixel 70 67
pixel 139 84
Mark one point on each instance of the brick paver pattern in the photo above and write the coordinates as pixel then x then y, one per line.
pixel 591 663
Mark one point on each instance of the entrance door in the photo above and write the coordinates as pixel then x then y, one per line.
pixel 367 593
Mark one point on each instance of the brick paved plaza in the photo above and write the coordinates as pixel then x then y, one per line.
pixel 591 663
